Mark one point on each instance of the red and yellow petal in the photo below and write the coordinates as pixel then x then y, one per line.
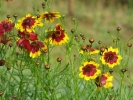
pixel 110 57
pixel 89 70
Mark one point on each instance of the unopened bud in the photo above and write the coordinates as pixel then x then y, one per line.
pixel 91 40
pixel 118 28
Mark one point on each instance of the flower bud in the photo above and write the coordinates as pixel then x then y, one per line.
pixel 47 67
pixel 2 62
pixel 129 44
pixel 1 93
pixel 72 30
pixel 37 63
pixel 118 28
pixel 8 16
pixel 15 16
pixel 10 45
pixel 102 49
pixel 82 35
pixel 99 42
pixel 9 68
pixel 83 48
pixel 111 71
pixel 38 15
pixel 59 59
pixel 91 40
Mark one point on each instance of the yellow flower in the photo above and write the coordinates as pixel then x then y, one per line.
pixel 89 70
pixel 49 16
pixel 110 57
pixel 57 37
pixel 28 23
pixel 36 47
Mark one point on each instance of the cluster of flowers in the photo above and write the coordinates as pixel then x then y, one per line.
pixel 27 37
pixel 28 40
pixel 89 69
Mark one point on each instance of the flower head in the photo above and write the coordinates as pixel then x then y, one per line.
pixel 89 70
pixel 25 38
pixel 58 36
pixel 110 57
pixel 6 26
pixel 36 46
pixel 104 80
pixel 28 23
pixel 49 16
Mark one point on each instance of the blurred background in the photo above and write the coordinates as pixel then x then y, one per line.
pixel 94 17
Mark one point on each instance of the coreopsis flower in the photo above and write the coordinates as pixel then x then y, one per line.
pixel 6 26
pixel 93 51
pixel 28 23
pixel 110 57
pixel 49 16
pixel 36 47
pixel 57 36
pixel 104 80
pixel 89 70
pixel 25 38
pixel 4 39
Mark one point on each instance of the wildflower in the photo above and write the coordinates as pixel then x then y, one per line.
pixel 104 80
pixel 25 38
pixel 49 16
pixel 28 23
pixel 6 26
pixel 58 36
pixel 93 51
pixel 89 70
pixel 4 39
pixel 35 48
pixel 110 57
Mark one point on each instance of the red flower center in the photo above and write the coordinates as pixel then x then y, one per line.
pixel 48 15
pixel 27 21
pixel 89 70
pixel 57 33
pixel 110 57
pixel 5 25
